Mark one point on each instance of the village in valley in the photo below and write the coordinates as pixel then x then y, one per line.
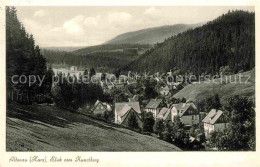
pixel 145 104
pixel 181 87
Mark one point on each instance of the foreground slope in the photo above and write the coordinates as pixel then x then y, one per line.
pixel 46 128
pixel 225 88
pixel 151 35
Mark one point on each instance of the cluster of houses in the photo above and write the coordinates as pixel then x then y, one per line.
pixel 187 113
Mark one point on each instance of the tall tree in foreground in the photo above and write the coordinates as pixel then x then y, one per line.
pixel 22 56
pixel 132 122
pixel 148 122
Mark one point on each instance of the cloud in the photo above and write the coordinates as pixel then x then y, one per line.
pixel 83 27
pixel 152 11
pixel 40 13
pixel 92 21
pixel 73 26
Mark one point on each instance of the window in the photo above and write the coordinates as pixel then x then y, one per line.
pixel 192 117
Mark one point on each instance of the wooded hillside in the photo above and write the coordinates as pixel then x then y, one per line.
pixel 228 40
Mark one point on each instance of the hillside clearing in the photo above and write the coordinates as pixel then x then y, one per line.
pixel 225 90
pixel 47 128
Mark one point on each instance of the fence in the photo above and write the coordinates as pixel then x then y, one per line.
pixel 25 97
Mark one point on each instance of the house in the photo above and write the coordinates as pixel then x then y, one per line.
pixel 131 81
pixel 157 79
pixel 164 114
pixel 101 107
pixel 135 98
pixel 124 110
pixel 215 120
pixel 154 106
pixel 187 113
pixel 119 85
pixel 164 90
pixel 110 85
pixel 123 78
pixel 73 68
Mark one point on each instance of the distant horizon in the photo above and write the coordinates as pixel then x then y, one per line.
pixel 79 27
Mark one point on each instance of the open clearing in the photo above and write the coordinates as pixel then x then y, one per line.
pixel 225 87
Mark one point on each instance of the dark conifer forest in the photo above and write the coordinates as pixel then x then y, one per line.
pixel 22 56
pixel 228 40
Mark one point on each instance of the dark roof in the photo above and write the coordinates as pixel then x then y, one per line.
pixel 212 116
pixel 122 108
pixel 153 103
pixel 183 107
pixel 104 104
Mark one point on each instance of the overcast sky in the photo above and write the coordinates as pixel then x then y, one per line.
pixel 87 26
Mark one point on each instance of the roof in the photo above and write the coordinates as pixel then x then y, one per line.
pixel 165 88
pixel 122 108
pixel 104 104
pixel 164 112
pixel 212 116
pixel 153 103
pixel 131 81
pixel 183 107
pixel 134 98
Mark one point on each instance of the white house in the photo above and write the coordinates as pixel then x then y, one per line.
pixel 165 114
pixel 215 120
pixel 187 113
pixel 164 90
pixel 73 68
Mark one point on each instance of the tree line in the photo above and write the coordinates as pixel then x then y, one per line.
pixel 102 61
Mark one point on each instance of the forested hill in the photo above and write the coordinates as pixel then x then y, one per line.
pixel 151 35
pixel 228 40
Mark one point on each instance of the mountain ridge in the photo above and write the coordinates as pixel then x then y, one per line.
pixel 151 35
pixel 228 40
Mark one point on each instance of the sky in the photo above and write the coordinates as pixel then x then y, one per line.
pixel 88 26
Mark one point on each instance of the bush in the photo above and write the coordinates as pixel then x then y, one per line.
pixel 159 127
pixel 148 122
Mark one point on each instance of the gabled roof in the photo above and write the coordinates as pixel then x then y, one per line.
pixel 212 116
pixel 183 107
pixel 122 108
pixel 104 104
pixel 153 103
pixel 164 112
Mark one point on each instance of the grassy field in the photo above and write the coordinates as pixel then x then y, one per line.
pixel 225 87
pixel 47 128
